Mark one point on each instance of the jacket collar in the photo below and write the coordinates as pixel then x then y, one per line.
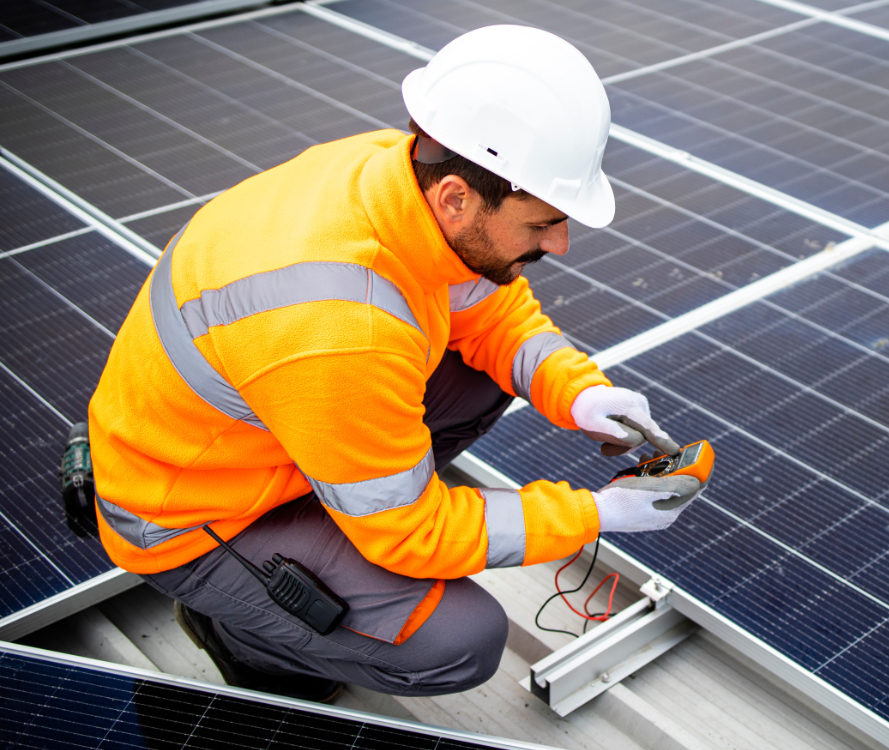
pixel 403 221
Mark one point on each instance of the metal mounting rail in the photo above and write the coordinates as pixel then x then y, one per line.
pixel 578 672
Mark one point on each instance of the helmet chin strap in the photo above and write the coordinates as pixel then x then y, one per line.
pixel 429 151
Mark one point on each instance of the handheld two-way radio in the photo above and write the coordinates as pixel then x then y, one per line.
pixel 695 459
pixel 295 589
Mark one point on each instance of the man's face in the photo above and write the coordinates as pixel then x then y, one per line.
pixel 498 244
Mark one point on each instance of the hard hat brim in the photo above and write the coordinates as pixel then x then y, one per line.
pixel 595 207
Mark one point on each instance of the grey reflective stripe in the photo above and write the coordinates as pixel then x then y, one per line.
pixel 375 495
pixel 182 351
pixel 530 356
pixel 137 531
pixel 313 281
pixel 506 527
pixel 261 292
pixel 469 293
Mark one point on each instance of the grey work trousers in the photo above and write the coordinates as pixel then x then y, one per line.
pixel 458 647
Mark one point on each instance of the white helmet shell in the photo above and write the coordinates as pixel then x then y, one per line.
pixel 526 105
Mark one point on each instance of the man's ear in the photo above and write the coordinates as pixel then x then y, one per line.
pixel 453 202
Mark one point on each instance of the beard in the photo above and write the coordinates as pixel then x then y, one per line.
pixel 474 247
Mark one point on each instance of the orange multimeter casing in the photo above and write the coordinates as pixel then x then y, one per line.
pixel 695 459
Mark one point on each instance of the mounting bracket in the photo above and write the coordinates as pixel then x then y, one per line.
pixel 586 667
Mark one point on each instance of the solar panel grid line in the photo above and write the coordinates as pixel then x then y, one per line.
pixel 777 450
pixel 62 26
pixel 77 206
pixel 317 9
pixel 36 394
pixel 335 59
pixel 698 217
pixel 134 38
pixel 196 202
pixel 686 159
pixel 634 25
pixel 287 79
pixel 731 427
pixel 36 548
pixel 854 643
pixel 748 185
pixel 807 171
pixel 44 242
pixel 223 96
pixel 838 17
pixel 702 54
pixel 96 139
pixel 790 550
pixel 713 273
pixel 162 117
pixel 825 168
pixel 64 300
pixel 674 326
pixel 790 671
pixel 65 700
pixel 760 81
pixel 292 83
pixel 603 24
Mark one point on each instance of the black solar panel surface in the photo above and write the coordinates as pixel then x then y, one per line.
pixel 877 16
pixel 617 36
pixel 26 18
pixel 804 112
pixel 60 302
pixel 49 705
pixel 792 389
pixel 791 541
pixel 803 109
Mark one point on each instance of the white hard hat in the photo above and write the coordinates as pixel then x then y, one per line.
pixel 526 105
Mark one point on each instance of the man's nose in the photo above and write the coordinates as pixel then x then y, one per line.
pixel 556 239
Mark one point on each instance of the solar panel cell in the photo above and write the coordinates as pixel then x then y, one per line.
pixel 37 323
pixel 91 273
pixel 52 705
pixel 28 216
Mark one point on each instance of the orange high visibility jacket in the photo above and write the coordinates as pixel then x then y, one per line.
pixel 282 344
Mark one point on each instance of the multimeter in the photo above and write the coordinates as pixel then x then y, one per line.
pixel 695 459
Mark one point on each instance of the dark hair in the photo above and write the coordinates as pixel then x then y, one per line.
pixel 491 187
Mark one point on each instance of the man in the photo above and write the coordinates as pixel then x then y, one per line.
pixel 323 338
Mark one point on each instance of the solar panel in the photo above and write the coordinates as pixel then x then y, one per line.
pixel 876 16
pixel 50 701
pixel 22 18
pixel 803 112
pixel 679 240
pixel 790 541
pixel 801 108
pixel 147 132
pixel 619 36
pixel 29 27
pixel 64 290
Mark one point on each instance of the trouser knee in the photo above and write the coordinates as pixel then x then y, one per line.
pixel 466 634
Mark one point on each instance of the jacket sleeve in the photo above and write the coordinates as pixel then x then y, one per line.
pixel 352 421
pixel 506 334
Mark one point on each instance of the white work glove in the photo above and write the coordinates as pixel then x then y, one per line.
pixel 644 503
pixel 619 418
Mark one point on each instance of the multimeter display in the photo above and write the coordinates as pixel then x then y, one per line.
pixel 695 459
